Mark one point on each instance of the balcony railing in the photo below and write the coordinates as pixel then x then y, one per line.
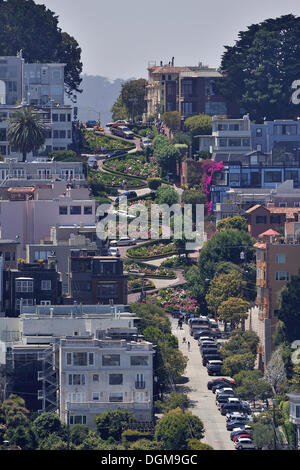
pixel 140 385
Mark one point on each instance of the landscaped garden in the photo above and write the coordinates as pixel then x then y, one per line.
pixel 116 181
pixel 94 143
pixel 152 250
pixel 137 284
pixel 150 271
pixel 133 165
pixel 174 298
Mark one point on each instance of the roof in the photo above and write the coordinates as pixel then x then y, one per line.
pixel 253 208
pixel 21 190
pixel 260 246
pixel 269 233
pixel 168 69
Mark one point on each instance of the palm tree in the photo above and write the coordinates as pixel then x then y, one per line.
pixel 26 132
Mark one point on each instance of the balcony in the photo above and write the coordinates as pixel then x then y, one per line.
pixel 140 385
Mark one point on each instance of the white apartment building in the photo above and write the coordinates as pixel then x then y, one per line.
pixel 89 357
pixel 40 86
pixel 29 213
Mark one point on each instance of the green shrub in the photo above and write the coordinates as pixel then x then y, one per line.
pixel 154 183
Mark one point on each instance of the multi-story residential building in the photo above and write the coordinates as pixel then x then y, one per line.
pixel 96 279
pixel 30 213
pixel 42 87
pixel 236 139
pixel 14 173
pixel 188 90
pixel 79 361
pixel 97 375
pixel 276 262
pixel 261 218
pixel 31 284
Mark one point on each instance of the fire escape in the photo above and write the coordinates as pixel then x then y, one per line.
pixel 48 394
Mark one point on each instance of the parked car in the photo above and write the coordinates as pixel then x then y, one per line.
pixel 221 400
pixel 124 241
pixel 227 390
pixel 145 142
pixel 241 436
pixel 205 339
pixel 219 380
pixel 128 194
pixel 244 443
pixel 205 351
pixel 122 131
pixel 220 386
pixel 115 153
pixel 236 422
pixel 120 122
pixel 240 430
pixel 235 414
pixel 91 123
pixel 214 367
pixel 113 252
pixel 210 357
pixel 209 345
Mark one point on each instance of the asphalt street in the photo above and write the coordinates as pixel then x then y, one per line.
pixel 203 400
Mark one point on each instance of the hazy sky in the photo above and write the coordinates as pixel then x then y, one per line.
pixel 119 37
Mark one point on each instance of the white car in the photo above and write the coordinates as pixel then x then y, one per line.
pixel 113 252
pixel 146 142
pixel 124 241
pixel 225 390
pixel 121 213
pixel 244 443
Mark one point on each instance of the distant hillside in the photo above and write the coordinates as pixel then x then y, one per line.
pixel 99 94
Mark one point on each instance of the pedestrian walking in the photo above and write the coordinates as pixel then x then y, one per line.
pixel 189 346
pixel 184 339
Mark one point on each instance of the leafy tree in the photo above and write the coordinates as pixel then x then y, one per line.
pixel 15 411
pixel 154 183
pixel 263 435
pixel 240 342
pixel 53 442
pixel 234 364
pixel 233 310
pixel 111 423
pixel 166 153
pixel 119 110
pixel 174 400
pixel 275 372
pixel 237 222
pixel 46 424
pixel 20 436
pixel 252 386
pixel 151 315
pixel 176 427
pixel 196 444
pixel 200 124
pixel 145 444
pixel 133 97
pixel 26 132
pixel 78 433
pixel 223 287
pixel 34 29
pixel 172 120
pixel 166 195
pixel 288 311
pixel 261 67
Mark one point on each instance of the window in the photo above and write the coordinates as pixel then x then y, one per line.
pixel 76 379
pixel 107 291
pixel 62 134
pixel 187 87
pixel 62 118
pixel 55 134
pixel 111 359
pixel 25 303
pixel 75 210
pixel 95 396
pixel 258 132
pixel 77 419
pixel 261 219
pixel 139 361
pixel 115 397
pixel 46 284
pixel 88 210
pixel 187 108
pixel 45 302
pixel 280 258
pixel 80 359
pixel 95 377
pixel 55 117
pixel 234 142
pixel 282 276
pixel 24 286
pixel 273 176
pixel 63 210
pixel 7 256
pixel 234 178
pixel 115 379
pixel 297 411
pixel 275 219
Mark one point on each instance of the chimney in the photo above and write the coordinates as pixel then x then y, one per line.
pixel 172 61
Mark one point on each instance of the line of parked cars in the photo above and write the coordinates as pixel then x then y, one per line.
pixel 237 412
